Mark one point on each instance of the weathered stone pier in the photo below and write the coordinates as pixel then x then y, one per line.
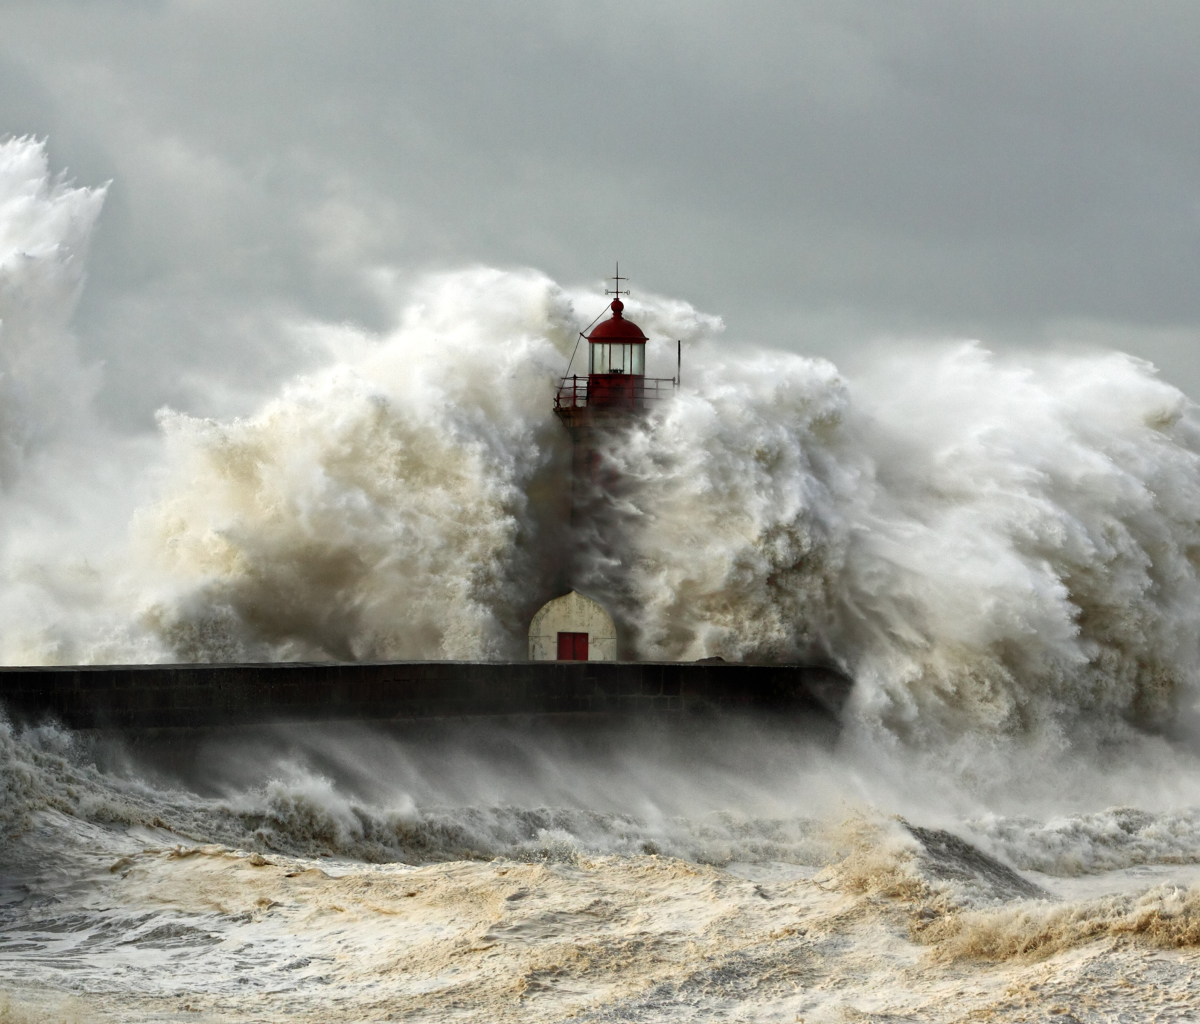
pixel 134 697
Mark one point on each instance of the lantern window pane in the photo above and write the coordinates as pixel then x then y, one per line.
pixel 620 358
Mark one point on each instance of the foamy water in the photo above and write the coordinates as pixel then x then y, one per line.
pixel 1002 552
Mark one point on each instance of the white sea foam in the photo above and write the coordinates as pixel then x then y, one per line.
pixel 985 544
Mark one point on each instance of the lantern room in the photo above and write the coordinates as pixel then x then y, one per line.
pixel 616 384
pixel 616 363
pixel 617 345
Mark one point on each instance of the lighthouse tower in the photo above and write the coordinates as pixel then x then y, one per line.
pixel 593 407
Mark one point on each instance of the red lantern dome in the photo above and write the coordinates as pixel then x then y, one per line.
pixel 617 347
pixel 617 329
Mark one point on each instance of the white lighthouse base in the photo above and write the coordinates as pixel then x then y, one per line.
pixel 571 616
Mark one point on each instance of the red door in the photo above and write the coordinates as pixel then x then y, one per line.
pixel 572 647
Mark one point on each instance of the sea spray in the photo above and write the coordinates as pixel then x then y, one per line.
pixel 986 544
pixel 45 225
pixel 381 508
pixel 991 546
pixel 296 808
pixel 727 525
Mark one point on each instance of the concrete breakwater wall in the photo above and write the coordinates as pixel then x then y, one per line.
pixel 196 696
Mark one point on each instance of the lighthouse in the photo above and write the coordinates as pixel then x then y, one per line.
pixel 593 407
pixel 614 391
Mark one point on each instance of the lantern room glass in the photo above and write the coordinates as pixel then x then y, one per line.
pixel 620 358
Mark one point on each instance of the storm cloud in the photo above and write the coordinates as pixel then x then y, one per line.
pixel 822 175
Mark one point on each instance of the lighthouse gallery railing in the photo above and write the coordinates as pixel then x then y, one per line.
pixel 612 390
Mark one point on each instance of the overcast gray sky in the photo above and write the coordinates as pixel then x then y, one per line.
pixel 819 174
